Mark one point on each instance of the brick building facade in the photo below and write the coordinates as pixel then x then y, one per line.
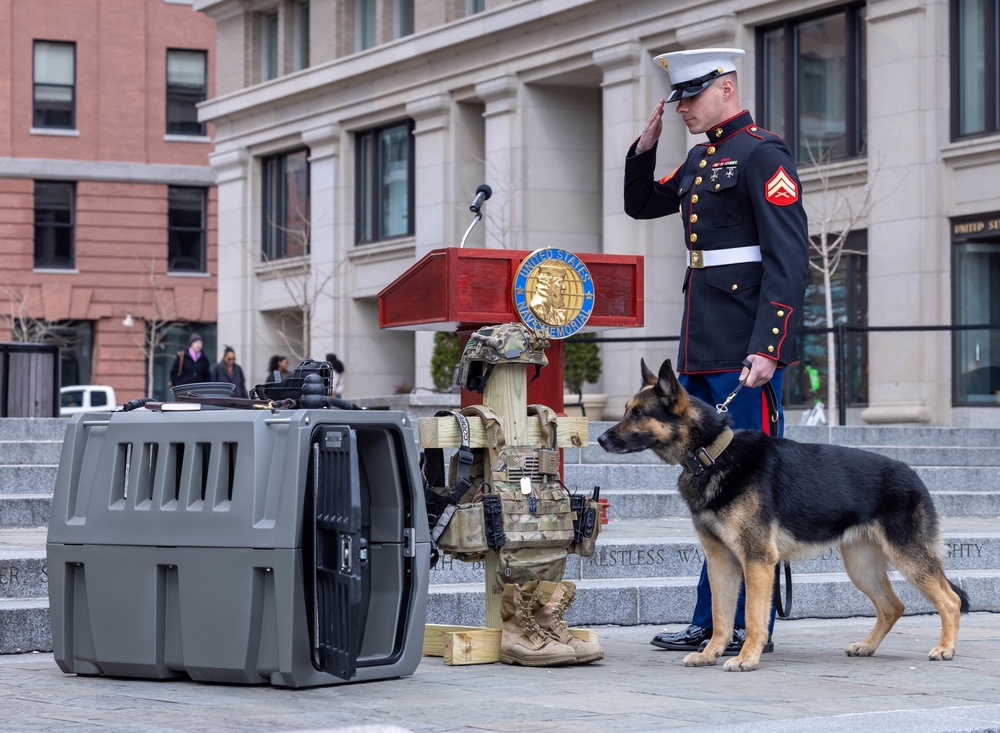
pixel 107 202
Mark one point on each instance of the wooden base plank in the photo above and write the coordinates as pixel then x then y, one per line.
pixel 434 636
pixel 479 646
pixel 443 432
pixel 462 645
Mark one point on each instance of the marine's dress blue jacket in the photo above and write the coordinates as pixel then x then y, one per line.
pixel 738 189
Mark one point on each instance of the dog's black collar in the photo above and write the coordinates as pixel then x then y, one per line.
pixel 705 457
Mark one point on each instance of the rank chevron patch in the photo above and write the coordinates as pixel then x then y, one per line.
pixel 781 189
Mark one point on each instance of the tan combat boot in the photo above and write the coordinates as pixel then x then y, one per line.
pixel 521 641
pixel 552 600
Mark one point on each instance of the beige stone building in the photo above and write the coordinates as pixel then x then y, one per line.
pixel 350 136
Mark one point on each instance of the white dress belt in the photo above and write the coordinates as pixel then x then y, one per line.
pixel 699 258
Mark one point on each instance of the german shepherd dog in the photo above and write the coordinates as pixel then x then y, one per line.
pixel 756 500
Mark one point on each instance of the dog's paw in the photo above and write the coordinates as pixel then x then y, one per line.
pixel 741 665
pixel 860 650
pixel 699 659
pixel 942 654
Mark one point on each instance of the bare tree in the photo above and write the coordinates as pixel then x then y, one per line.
pixel 304 282
pixel 157 307
pixel 19 314
pixel 841 209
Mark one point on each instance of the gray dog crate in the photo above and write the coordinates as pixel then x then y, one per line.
pixel 239 546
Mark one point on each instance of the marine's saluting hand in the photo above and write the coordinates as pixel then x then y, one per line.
pixel 651 132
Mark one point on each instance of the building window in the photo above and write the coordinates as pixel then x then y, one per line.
pixel 404 18
pixel 385 183
pixel 976 301
pixel 366 17
pixel 474 6
pixel 268 46
pixel 806 382
pixel 187 85
pixel 300 40
pixel 76 350
pixel 54 218
pixel 812 78
pixel 185 229
pixel 54 85
pixel 286 205
pixel 974 62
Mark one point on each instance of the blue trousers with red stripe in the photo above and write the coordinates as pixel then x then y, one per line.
pixel 748 411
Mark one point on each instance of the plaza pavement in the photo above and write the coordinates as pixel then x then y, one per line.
pixel 807 684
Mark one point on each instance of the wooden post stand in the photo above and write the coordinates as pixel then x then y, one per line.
pixel 505 394
pixel 460 290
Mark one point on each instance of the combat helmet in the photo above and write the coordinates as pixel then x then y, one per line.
pixel 508 343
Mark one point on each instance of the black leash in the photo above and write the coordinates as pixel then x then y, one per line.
pixel 771 398
pixel 783 610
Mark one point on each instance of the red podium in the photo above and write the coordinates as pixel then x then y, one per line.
pixel 462 290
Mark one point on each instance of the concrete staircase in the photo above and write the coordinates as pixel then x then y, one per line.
pixel 29 460
pixel 648 558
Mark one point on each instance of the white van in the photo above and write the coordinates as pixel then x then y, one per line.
pixel 86 398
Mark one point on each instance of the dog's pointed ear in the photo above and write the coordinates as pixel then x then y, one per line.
pixel 648 378
pixel 667 381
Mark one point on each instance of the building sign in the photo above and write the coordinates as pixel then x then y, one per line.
pixel 969 227
pixel 553 292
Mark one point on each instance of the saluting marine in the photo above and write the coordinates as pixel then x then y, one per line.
pixel 739 197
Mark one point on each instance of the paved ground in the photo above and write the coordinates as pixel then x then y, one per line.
pixel 807 684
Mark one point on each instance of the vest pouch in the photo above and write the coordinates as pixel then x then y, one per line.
pixel 465 535
pixel 542 518
pixel 531 563
pixel 586 526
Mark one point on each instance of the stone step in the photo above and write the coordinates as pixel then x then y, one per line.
pixel 636 549
pixel 872 436
pixel 910 455
pixel 663 476
pixel 23 574
pixel 32 428
pixel 35 452
pixel 635 601
pixel 27 479
pixel 25 624
pixel 25 511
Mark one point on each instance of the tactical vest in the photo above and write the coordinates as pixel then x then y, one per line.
pixel 524 512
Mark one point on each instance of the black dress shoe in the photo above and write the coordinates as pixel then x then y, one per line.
pixel 688 640
pixel 734 647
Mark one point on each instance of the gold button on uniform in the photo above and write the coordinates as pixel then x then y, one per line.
pixel 735 286
pixel 694 218
pixel 693 237
pixel 697 181
pixel 718 132
pixel 770 349
pixel 753 129
pixel 781 313
pixel 711 150
pixel 718 186
pixel 774 331
pixel 694 199
pixel 701 164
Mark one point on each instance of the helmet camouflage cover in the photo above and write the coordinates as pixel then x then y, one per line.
pixel 508 343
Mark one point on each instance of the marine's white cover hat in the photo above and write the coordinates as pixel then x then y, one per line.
pixel 691 72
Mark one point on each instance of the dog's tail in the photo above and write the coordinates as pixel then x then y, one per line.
pixel 962 595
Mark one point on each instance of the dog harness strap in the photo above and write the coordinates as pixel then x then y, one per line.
pixel 705 457
pixel 701 258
